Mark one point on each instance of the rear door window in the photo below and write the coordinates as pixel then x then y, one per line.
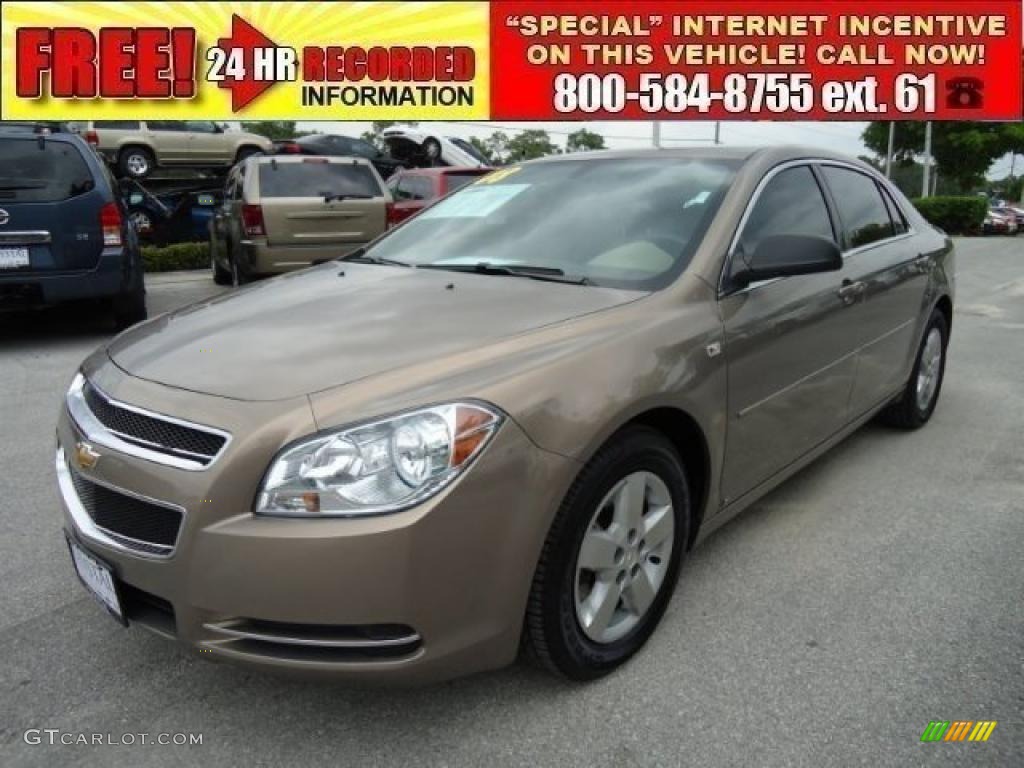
pixel 117 125
pixel 861 208
pixel 42 172
pixel 317 179
pixel 166 125
pixel 899 222
pixel 414 188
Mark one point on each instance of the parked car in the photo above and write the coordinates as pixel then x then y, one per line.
pixel 414 189
pixel 136 148
pixel 64 234
pixel 416 149
pixel 170 214
pixel 284 213
pixel 330 145
pixel 506 421
pixel 999 224
pixel 1014 214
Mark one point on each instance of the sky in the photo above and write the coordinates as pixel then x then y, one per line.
pixel 842 137
pixel 839 136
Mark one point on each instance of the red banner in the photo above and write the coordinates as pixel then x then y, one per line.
pixel 743 60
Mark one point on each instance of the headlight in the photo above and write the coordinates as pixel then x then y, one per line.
pixel 380 467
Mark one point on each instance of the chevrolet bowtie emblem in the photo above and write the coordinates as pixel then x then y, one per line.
pixel 85 456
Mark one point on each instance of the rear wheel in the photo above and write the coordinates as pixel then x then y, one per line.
pixel 221 276
pixel 918 400
pixel 611 559
pixel 130 308
pixel 135 162
pixel 238 274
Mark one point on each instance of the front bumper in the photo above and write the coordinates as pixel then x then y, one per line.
pixel 429 593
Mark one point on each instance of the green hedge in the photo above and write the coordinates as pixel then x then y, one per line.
pixel 168 258
pixel 955 215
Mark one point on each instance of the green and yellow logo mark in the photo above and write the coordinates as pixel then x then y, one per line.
pixel 959 730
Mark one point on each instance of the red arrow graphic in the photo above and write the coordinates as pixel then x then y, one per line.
pixel 246 38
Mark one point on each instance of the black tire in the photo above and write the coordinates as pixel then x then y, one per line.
pixel 129 309
pixel 221 276
pixel 907 412
pixel 246 152
pixel 135 162
pixel 552 633
pixel 239 276
pixel 143 221
pixel 432 151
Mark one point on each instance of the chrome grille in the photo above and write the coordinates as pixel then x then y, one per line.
pixel 151 432
pixel 132 522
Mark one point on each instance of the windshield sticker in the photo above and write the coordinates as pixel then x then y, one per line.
pixel 473 202
pixel 697 199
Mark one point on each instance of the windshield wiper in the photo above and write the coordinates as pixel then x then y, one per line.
pixel 333 198
pixel 550 274
pixel 359 256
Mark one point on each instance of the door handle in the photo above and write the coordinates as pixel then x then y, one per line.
pixel 850 291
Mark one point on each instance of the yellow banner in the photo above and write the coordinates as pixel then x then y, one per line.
pixel 251 60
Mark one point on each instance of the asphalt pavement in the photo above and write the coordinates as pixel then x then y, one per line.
pixel 880 589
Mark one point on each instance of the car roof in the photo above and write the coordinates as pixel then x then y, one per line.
pixel 770 155
pixel 297 159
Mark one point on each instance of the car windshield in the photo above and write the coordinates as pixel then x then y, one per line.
pixel 469 149
pixel 624 223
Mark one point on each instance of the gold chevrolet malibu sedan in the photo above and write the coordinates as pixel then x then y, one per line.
pixel 502 425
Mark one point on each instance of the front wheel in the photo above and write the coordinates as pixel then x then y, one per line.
pixel 611 559
pixel 246 152
pixel 917 402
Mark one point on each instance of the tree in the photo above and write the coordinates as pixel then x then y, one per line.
pixel 275 130
pixel 963 151
pixel 481 146
pixel 378 127
pixel 530 144
pixel 583 141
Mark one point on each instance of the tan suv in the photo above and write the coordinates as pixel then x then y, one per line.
pixel 505 422
pixel 283 213
pixel 137 147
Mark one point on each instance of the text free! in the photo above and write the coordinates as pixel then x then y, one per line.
pixel 159 62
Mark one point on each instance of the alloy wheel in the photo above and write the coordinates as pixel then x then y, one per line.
pixel 929 370
pixel 624 556
pixel 137 164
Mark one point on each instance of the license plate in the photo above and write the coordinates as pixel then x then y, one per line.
pixel 98 579
pixel 13 258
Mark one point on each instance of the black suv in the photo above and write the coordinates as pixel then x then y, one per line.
pixel 339 146
pixel 64 233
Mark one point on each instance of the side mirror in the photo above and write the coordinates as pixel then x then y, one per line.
pixel 787 255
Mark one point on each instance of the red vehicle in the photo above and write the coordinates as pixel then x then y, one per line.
pixel 415 189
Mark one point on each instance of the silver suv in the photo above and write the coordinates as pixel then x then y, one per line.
pixel 137 147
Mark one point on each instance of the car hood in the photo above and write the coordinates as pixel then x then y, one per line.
pixel 340 322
